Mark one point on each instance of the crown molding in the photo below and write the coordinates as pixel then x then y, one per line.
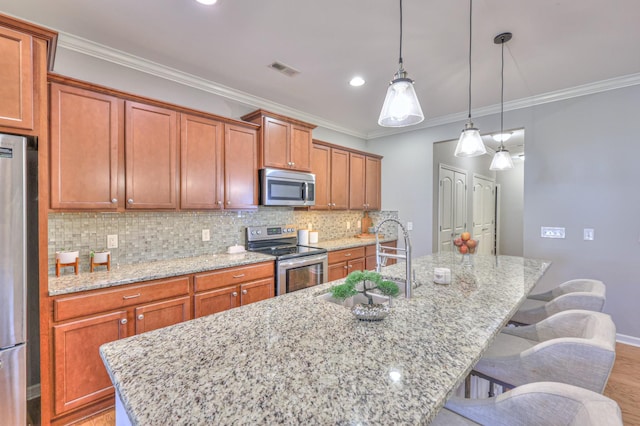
pixel 87 47
pixel 96 50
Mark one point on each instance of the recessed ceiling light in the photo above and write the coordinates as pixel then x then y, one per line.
pixel 207 2
pixel 357 81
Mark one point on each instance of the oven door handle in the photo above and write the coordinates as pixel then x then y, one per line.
pixel 302 261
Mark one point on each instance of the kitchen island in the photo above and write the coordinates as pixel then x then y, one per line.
pixel 298 359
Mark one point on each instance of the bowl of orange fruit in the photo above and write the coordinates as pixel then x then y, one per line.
pixel 465 244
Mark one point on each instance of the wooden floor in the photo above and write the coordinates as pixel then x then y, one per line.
pixel 624 383
pixel 623 387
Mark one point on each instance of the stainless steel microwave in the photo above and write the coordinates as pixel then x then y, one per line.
pixel 287 188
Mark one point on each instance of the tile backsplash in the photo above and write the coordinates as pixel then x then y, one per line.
pixel 149 236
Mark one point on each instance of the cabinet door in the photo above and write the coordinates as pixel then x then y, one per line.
pixel 162 314
pixel 339 179
pixel 256 291
pixel 201 163
pixel 85 134
pixel 211 302
pixel 300 148
pixel 372 183
pixel 79 374
pixel 151 151
pixel 356 181
pixel 355 265
pixel 337 271
pixel 240 167
pixel 16 79
pixel 321 167
pixel 275 143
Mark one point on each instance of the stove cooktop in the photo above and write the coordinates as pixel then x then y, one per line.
pixel 278 241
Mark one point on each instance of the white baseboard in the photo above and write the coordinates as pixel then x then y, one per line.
pixel 33 392
pixel 629 340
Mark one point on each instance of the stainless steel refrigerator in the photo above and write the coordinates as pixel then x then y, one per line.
pixel 13 281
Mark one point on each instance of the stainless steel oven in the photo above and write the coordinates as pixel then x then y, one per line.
pixel 297 266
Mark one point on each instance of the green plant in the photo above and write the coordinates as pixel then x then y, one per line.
pixel 350 288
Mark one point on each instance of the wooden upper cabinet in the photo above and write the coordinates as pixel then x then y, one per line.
pixel 285 143
pixel 275 143
pixel 372 183
pixel 151 157
pixel 201 163
pixel 321 167
pixel 16 79
pixel 300 148
pixel 356 181
pixel 85 134
pixel 364 182
pixel 331 167
pixel 240 167
pixel 339 179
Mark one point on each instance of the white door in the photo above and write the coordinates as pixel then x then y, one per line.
pixel 484 213
pixel 452 206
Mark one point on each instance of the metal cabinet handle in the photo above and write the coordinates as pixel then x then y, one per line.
pixel 114 200
pixel 238 276
pixel 244 291
pixel 347 254
pixel 329 204
pixel 350 266
pixel 293 164
pixel 228 202
pixel 131 297
pixel 141 317
pixel 130 201
pixel 234 294
pixel 219 203
pixel 123 321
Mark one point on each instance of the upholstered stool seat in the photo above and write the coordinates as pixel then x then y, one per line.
pixel 543 403
pixel 575 347
pixel 575 294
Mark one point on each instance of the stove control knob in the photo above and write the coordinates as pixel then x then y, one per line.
pixel 258 232
pixel 253 232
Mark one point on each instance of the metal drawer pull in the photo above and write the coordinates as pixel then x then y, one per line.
pixel 238 276
pixel 123 321
pixel 130 201
pixel 114 200
pixel 140 317
pixel 347 254
pixel 234 294
pixel 244 291
pixel 131 297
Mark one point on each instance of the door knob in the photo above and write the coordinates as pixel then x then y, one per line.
pixel 130 201
pixel 140 317
pixel 234 294
pixel 123 321
pixel 114 200
pixel 244 291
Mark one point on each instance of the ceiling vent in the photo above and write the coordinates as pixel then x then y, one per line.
pixel 284 69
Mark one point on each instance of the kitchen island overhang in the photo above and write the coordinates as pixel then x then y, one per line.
pixel 299 359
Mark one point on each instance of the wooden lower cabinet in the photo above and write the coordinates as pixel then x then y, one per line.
pixel 162 314
pixel 343 262
pixel 229 288
pixel 79 375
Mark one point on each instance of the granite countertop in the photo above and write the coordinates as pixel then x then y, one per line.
pixel 127 274
pixel 296 359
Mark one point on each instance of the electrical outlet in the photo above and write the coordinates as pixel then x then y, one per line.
pixel 112 241
pixel 551 232
pixel 348 225
pixel 589 234
pixel 205 235
pixel 409 226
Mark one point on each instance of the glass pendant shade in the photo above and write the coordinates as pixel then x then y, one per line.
pixel 470 143
pixel 401 106
pixel 502 160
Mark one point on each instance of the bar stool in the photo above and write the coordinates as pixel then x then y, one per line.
pixel 576 347
pixel 575 294
pixel 542 403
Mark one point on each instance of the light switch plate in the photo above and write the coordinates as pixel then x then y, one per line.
pixel 551 232
pixel 206 236
pixel 409 226
pixel 112 241
pixel 589 234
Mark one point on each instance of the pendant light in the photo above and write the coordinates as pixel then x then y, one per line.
pixel 502 159
pixel 470 143
pixel 401 106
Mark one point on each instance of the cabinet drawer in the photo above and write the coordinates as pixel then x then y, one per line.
pixel 347 254
pixel 106 300
pixel 231 276
pixel 370 250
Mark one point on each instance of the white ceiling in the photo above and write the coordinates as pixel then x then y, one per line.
pixel 557 44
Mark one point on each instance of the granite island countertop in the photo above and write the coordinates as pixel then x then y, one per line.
pixel 296 359
pixel 127 274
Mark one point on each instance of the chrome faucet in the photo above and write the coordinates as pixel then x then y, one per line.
pixel 380 255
